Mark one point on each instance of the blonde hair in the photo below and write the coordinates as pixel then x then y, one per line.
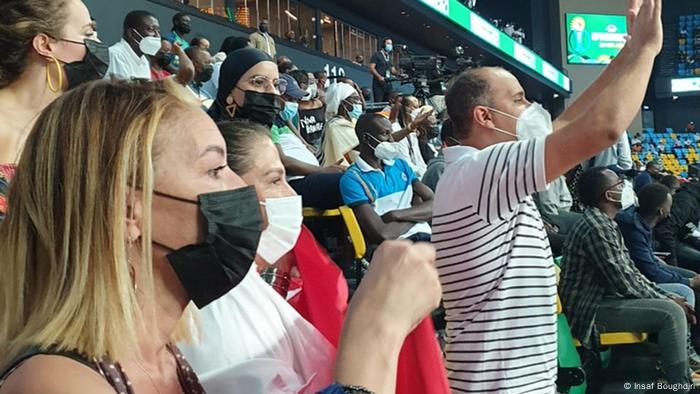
pixel 66 280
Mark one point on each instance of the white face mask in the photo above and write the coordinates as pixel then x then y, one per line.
pixel 534 122
pixel 626 198
pixel 149 45
pixel 284 219
pixel 629 198
pixel 385 150
pixel 312 90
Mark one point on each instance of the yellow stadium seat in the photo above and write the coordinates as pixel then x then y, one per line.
pixel 619 338
pixel 612 338
pixel 351 224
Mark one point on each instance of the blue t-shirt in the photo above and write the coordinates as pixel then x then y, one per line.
pixel 389 189
pixel 395 178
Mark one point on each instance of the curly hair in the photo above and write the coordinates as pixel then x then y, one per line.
pixel 20 22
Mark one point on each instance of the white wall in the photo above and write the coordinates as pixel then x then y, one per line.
pixel 583 75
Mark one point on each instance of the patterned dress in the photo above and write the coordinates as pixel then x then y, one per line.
pixel 113 373
pixel 7 171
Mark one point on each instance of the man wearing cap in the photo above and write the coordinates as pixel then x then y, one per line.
pixel 690 128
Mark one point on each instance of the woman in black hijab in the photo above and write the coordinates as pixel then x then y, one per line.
pixel 250 88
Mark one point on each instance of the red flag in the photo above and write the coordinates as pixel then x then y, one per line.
pixel 323 298
pixel 421 366
pixel 323 302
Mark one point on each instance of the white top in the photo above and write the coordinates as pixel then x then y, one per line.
pixel 211 87
pixel 253 337
pixel 410 151
pixel 124 64
pixel 496 269
pixel 294 148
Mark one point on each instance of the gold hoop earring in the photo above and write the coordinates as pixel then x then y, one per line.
pixel 59 71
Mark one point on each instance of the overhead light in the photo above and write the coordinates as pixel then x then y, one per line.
pixel 646 107
pixel 675 97
pixel 403 12
pixel 555 95
pixel 289 14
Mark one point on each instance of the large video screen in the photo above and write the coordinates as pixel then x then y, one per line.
pixel 469 20
pixel 685 85
pixel 594 38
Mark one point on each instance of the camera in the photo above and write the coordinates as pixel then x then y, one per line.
pixel 430 74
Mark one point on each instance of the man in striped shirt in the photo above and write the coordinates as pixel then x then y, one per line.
pixel 494 259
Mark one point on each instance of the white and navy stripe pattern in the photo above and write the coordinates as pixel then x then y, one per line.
pixel 495 265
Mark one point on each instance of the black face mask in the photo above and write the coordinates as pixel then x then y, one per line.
pixel 210 269
pixel 183 28
pixel 165 60
pixel 93 66
pixel 206 74
pixel 259 107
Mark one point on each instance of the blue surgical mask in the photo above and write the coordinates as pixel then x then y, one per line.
pixel 388 47
pixel 356 111
pixel 289 111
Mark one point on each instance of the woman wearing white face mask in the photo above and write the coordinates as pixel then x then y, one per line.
pixel 322 301
pixel 412 123
pixel 344 107
pixel 254 326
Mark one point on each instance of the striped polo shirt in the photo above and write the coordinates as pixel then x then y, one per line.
pixel 496 268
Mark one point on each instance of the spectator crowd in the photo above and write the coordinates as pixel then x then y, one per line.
pixel 165 219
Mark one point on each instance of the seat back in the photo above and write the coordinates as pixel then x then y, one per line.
pixel 346 214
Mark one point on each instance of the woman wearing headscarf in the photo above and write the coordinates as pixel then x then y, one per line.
pixel 250 88
pixel 343 108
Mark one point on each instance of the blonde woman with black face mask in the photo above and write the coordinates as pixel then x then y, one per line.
pixel 116 223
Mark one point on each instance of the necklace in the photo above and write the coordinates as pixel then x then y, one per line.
pixel 138 363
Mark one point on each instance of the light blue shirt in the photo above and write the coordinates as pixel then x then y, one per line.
pixel 211 87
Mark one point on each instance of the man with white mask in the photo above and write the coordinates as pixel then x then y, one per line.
pixel 380 187
pixel 140 37
pixel 495 264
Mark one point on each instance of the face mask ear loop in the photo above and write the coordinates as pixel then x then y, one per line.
pixel 506 132
pixel 454 141
pixel 375 139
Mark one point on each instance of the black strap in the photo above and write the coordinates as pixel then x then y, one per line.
pixel 35 351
